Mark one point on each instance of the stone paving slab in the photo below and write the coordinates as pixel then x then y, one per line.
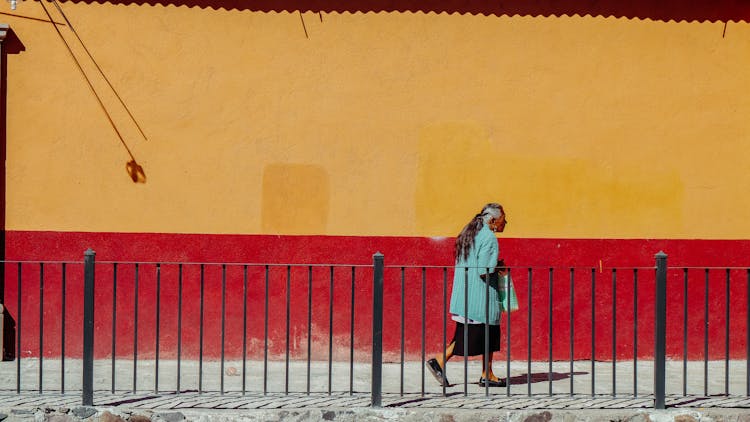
pixel 229 401
pixel 585 377
pixel 209 407
pixel 422 398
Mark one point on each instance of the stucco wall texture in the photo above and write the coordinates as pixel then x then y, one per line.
pixel 378 124
pixel 274 135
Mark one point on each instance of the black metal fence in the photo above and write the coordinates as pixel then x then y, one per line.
pixel 258 323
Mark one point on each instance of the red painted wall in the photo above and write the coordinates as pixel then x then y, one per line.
pixel 592 259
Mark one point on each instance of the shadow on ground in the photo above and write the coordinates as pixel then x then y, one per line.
pixel 542 377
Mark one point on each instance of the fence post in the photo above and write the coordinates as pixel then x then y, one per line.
pixel 88 327
pixel 661 329
pixel 377 330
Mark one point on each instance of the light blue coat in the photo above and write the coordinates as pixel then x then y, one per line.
pixel 482 258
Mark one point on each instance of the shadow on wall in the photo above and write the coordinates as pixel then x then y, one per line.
pixel 701 10
pixel 7 335
pixel 10 44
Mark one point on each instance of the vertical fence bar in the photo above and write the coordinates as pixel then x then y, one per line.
pixel 244 328
pixel 549 329
pixel 401 365
pixel 747 337
pixel 351 334
pixel 528 339
pixel 705 337
pixel 223 323
pixel 614 332
pixel 593 332
pixel 179 324
pixel 330 334
pixel 309 323
pixel 114 324
pixel 88 328
pixel 158 315
pixel 445 327
pixel 572 325
pixel 466 332
pixel 486 332
pixel 377 329
pixel 726 338
pixel 135 331
pixel 41 326
pixel 507 340
pixel 265 334
pixel 424 309
pixel 684 329
pixel 288 315
pixel 62 330
pixel 635 332
pixel 661 330
pixel 200 335
pixel 19 331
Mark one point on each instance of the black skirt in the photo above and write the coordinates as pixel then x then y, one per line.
pixel 476 337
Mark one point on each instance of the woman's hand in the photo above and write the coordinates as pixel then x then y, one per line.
pixel 501 269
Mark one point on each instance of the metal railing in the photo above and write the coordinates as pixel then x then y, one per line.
pixel 295 332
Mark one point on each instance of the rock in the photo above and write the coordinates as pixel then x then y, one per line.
pixel 447 418
pixel 639 417
pixel 84 412
pixel 109 417
pixel 540 417
pixel 59 418
pixel 171 416
pixel 684 418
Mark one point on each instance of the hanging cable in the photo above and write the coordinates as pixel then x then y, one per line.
pixel 88 81
pixel 101 72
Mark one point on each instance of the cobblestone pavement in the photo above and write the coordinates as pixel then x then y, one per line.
pixel 234 401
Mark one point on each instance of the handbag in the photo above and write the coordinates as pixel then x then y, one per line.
pixel 507 294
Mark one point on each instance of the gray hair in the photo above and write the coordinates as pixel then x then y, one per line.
pixel 490 211
pixel 465 239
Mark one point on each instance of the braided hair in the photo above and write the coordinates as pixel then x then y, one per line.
pixel 465 239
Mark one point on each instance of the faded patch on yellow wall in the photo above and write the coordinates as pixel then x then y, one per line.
pixel 295 199
pixel 461 168
pixel 455 176
pixel 573 197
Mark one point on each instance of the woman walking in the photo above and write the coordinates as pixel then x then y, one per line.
pixel 476 265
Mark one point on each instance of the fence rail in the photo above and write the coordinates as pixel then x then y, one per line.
pixel 254 327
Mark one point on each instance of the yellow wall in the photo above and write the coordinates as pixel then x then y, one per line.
pixel 380 124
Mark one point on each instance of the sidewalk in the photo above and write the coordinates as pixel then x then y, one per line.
pixel 523 401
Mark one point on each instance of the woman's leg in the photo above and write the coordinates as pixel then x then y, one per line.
pixel 450 347
pixel 495 342
pixel 448 354
pixel 437 364
pixel 487 370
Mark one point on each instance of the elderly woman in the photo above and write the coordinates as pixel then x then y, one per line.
pixel 476 261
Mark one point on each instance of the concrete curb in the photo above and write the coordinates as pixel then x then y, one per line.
pixel 91 414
